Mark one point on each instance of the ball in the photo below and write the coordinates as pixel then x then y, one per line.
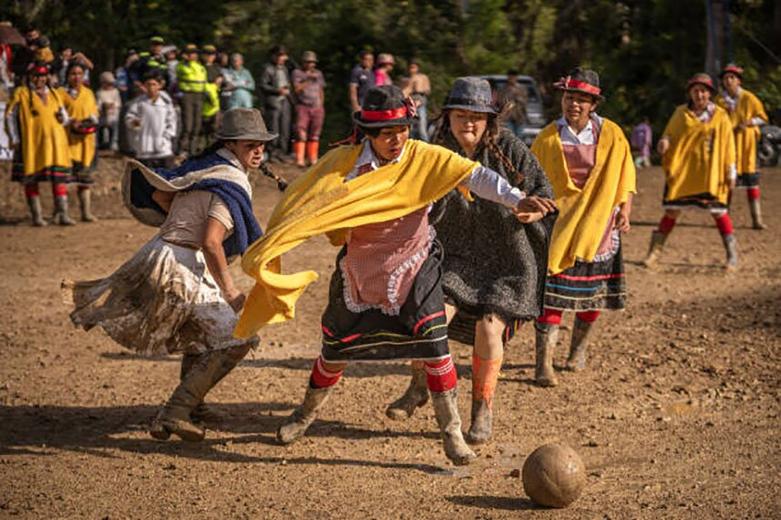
pixel 554 475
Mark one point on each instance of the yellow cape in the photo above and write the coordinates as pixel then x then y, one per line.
pixel 700 155
pixel 584 213
pixel 44 139
pixel 83 106
pixel 748 107
pixel 322 202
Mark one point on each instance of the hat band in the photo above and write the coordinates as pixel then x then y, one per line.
pixel 581 85
pixel 383 115
pixel 732 70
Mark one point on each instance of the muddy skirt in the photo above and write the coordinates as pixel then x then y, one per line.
pixel 419 331
pixel 588 286
pixel 163 300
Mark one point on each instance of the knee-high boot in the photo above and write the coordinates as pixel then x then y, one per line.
pixel 415 396
pixel 449 422
pixel 546 337
pixel 577 352
pixel 34 203
pixel 303 416
pixel 85 201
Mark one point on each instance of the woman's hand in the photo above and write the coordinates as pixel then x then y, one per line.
pixel 236 300
pixel 663 145
pixel 533 208
pixel 622 221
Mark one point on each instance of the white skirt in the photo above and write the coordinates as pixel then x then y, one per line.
pixel 162 300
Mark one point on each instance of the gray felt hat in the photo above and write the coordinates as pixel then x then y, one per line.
pixel 471 93
pixel 244 124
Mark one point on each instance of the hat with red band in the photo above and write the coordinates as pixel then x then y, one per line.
pixel 584 81
pixel 732 68
pixel 38 69
pixel 385 106
pixel 701 79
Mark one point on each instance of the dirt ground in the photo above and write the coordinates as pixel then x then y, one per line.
pixel 677 416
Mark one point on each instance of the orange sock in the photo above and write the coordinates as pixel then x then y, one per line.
pixel 312 151
pixel 298 148
pixel 485 374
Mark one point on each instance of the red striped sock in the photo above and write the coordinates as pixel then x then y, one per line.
pixel 724 223
pixel 550 316
pixel 753 193
pixel 322 378
pixel 60 189
pixel 441 375
pixel 588 316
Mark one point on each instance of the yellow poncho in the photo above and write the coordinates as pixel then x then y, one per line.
pixel 584 213
pixel 44 139
pixel 700 155
pixel 748 107
pixel 83 106
pixel 322 202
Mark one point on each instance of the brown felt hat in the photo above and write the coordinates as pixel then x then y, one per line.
pixel 244 124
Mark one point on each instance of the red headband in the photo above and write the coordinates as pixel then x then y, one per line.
pixel 384 115
pixel 569 83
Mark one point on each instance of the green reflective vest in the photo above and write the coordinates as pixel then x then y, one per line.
pixel 211 102
pixel 191 76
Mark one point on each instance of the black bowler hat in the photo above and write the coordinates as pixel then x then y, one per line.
pixel 580 80
pixel 384 106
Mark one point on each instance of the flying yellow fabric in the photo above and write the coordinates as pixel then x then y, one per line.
pixel 700 155
pixel 44 139
pixel 83 106
pixel 322 202
pixel 748 107
pixel 584 213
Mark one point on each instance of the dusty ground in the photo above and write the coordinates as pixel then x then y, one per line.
pixel 676 418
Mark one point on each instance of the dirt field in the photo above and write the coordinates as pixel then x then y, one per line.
pixel 677 417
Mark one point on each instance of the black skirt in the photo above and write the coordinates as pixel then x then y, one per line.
pixel 419 331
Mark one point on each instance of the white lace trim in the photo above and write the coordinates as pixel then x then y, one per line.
pixel 394 307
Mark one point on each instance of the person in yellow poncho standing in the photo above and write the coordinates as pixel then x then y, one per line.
pixel 589 163
pixel 747 114
pixel 82 110
pixel 385 300
pixel 36 119
pixel 698 157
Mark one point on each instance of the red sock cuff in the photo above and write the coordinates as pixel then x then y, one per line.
pixel 753 193
pixel 441 375
pixel 588 316
pixel 724 223
pixel 666 225
pixel 322 378
pixel 550 316
pixel 59 189
pixel 31 190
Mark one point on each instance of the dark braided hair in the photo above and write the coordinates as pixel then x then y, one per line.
pixel 443 132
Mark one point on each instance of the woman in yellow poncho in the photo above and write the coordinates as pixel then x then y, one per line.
pixel 698 157
pixel 83 113
pixel 747 115
pixel 35 118
pixel 386 300
pixel 589 163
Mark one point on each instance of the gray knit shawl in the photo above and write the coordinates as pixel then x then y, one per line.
pixel 493 263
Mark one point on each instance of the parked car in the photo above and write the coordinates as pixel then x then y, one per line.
pixel 534 110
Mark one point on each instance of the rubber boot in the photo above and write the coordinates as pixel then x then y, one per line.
pixel 546 337
pixel 312 151
pixel 298 149
pixel 655 249
pixel 756 214
pixel 415 397
pixel 577 350
pixel 61 216
pixel 34 203
pixel 446 411
pixel 175 418
pixel 481 428
pixel 731 247
pixel 304 415
pixel 85 201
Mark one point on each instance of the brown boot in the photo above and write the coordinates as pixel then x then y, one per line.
pixel 446 411
pixel 304 415
pixel 756 214
pixel 655 249
pixel 415 396
pixel 175 415
pixel 85 201
pixel 482 422
pixel 577 351
pixel 34 203
pixel 731 247
pixel 546 337
pixel 61 216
